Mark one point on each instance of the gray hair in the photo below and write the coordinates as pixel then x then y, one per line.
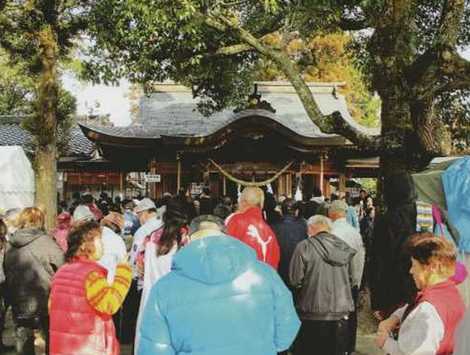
pixel 206 221
pixel 319 219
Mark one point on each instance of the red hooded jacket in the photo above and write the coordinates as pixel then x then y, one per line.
pixel 250 228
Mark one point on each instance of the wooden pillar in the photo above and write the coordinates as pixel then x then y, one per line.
pixel 122 183
pixel 322 172
pixel 342 183
pixel 224 185
pixel 178 172
pixel 289 185
pixel 65 186
pixel 152 185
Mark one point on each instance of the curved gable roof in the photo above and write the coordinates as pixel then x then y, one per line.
pixel 171 113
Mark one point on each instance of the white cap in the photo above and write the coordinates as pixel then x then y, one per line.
pixel 144 205
pixel 83 213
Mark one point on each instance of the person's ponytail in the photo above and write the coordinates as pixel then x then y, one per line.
pixel 174 219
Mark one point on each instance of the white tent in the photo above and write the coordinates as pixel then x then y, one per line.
pixel 16 179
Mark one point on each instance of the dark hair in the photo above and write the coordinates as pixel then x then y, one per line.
pixel 317 192
pixel 227 200
pixel 289 206
pixel 87 199
pixel 79 234
pixel 3 234
pixel 356 201
pixel 174 219
pixel 222 211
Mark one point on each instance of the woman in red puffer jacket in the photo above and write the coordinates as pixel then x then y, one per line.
pixel 82 302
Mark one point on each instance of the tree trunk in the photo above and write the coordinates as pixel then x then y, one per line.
pixel 46 182
pixel 45 126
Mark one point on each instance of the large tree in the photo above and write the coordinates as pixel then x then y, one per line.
pixel 37 34
pixel 409 54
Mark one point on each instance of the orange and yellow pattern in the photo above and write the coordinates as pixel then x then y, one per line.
pixel 106 298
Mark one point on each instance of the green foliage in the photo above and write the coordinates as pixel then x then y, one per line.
pixel 454 109
pixel 16 88
pixel 22 62
pixel 326 58
pixel 159 40
pixel 136 39
pixel 368 184
pixel 398 54
pixel 36 36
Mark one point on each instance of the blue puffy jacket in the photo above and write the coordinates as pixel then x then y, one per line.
pixel 218 300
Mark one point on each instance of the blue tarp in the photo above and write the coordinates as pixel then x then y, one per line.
pixel 456 183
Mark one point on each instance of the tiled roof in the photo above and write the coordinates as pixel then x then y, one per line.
pixel 13 134
pixel 172 111
pixel 77 144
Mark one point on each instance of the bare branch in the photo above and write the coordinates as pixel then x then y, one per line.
pixel 211 22
pixel 335 123
pixel 241 47
pixel 235 49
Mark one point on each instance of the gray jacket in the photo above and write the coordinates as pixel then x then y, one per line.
pixel 32 257
pixel 320 272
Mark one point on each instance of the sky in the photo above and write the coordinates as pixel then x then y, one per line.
pixel 101 99
pixel 113 100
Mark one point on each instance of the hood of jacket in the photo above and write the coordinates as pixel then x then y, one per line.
pixel 214 259
pixel 25 236
pixel 332 249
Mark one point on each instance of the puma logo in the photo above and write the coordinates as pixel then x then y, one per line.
pixel 254 233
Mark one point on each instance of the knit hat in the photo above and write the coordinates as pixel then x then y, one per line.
pixel 83 213
pixel 144 205
pixel 338 206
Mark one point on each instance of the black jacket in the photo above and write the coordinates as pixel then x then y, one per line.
pixel 290 231
pixel 320 270
pixel 31 260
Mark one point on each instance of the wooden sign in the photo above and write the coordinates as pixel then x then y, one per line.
pixel 149 178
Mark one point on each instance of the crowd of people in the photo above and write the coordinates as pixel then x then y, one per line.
pixel 178 275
